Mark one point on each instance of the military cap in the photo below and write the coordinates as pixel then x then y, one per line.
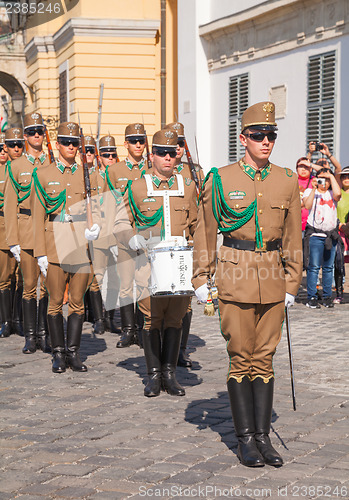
pixel 14 134
pixel 33 120
pixel 2 138
pixel 68 129
pixel 177 127
pixel 260 115
pixel 134 129
pixel 89 141
pixel 165 138
pixel 107 142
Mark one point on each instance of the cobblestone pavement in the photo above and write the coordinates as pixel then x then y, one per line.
pixel 95 436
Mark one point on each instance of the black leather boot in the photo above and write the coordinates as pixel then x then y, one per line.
pixel 74 330
pixel 29 321
pixel 152 352
pixel 56 331
pixel 241 402
pixel 263 405
pixel 109 323
pixel 169 358
pixel 5 311
pixel 42 337
pixel 183 357
pixel 128 326
pixel 338 279
pixel 96 304
pixel 17 310
pixel 139 326
pixel 88 308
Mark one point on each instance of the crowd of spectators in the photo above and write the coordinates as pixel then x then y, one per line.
pixel 324 191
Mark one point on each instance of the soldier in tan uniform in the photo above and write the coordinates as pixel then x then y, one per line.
pixel 60 233
pixel 256 206
pixel 117 177
pixel 184 169
pixel 14 145
pixel 19 230
pixel 146 211
pixel 7 260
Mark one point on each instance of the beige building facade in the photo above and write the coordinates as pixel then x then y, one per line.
pixel 129 47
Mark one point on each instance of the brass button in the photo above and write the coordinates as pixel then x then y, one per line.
pixel 261 228
pixel 258 178
pixel 237 205
pixel 148 208
pixel 282 206
pixel 260 194
pixel 260 211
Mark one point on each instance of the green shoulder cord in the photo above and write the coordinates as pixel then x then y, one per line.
pixel 231 219
pixel 50 203
pixel 18 187
pixel 115 192
pixel 141 220
pixel 1 199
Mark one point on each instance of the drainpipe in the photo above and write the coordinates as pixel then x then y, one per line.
pixel 163 63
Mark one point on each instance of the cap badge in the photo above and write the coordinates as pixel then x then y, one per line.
pixel 88 138
pixel 16 132
pixel 71 127
pixel 176 126
pixel 169 134
pixel 138 126
pixel 269 107
pixel 35 116
pixel 108 139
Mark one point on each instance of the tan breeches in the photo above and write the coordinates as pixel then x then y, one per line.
pixel 7 269
pixel 30 272
pixel 55 283
pixel 104 264
pixel 252 332
pixel 166 311
pixel 133 270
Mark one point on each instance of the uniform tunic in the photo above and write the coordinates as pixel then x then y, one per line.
pixel 18 217
pixel 60 235
pixel 183 213
pixel 7 260
pixel 251 284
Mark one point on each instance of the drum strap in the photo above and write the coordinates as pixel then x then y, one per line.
pixel 166 194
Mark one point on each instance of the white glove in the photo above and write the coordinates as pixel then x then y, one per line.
pixel 289 300
pixel 202 293
pixel 93 233
pixel 137 242
pixel 16 251
pixel 43 264
pixel 115 252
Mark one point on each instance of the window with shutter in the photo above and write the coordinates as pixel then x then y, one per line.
pixel 238 102
pixel 63 96
pixel 322 99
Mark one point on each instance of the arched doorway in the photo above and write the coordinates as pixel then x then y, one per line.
pixel 12 101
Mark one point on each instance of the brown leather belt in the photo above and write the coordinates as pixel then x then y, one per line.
pixel 268 246
pixel 1 213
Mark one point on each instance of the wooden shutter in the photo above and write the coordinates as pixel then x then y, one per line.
pixel 238 102
pixel 63 115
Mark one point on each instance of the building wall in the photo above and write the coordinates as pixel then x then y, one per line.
pixel 122 52
pixel 272 41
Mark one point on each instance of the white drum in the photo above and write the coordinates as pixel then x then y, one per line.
pixel 171 270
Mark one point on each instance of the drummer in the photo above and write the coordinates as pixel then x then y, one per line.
pixel 147 209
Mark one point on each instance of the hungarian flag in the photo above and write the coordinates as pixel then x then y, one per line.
pixel 3 124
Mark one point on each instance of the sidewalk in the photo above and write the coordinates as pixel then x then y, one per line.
pixel 95 436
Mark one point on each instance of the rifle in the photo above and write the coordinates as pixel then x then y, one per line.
pixel 25 142
pixel 192 167
pixel 290 356
pixel 49 146
pixel 86 179
pixel 149 164
pixel 101 90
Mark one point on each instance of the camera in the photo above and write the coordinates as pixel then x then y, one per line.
pixel 321 181
pixel 318 146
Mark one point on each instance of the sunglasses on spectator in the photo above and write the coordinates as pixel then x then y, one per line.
pixel 164 152
pixel 13 144
pixel 344 176
pixel 181 143
pixel 259 136
pixel 141 141
pixel 108 155
pixel 1 148
pixel 67 142
pixel 32 131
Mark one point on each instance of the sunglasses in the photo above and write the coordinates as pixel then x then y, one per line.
pixel 164 152
pixel 67 142
pixel 181 143
pixel 259 136
pixel 13 144
pixel 344 176
pixel 2 148
pixel 89 149
pixel 134 141
pixel 32 131
pixel 108 155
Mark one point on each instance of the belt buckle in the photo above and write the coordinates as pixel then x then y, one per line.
pixel 262 249
pixel 68 218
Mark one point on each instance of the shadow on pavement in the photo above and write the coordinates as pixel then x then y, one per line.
pixel 215 413
pixel 91 345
